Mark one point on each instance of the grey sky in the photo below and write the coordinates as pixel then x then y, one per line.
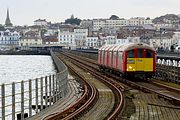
pixel 26 11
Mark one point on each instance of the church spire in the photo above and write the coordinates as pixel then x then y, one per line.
pixel 8 21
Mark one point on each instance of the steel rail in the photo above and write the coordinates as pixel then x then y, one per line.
pixel 89 98
pixel 115 86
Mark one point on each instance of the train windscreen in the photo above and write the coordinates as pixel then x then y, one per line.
pixel 130 54
pixel 140 53
pixel 149 54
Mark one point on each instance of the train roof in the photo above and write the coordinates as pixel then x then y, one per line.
pixel 127 47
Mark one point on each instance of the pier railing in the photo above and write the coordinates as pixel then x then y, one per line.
pixel 19 100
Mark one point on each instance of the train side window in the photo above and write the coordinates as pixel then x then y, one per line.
pixel 114 53
pixel 140 53
pixel 130 54
pixel 149 54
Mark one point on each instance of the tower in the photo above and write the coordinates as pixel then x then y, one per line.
pixel 8 23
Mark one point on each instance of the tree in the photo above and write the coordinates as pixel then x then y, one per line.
pixel 43 31
pixel 73 20
pixel 114 17
pixel 2 28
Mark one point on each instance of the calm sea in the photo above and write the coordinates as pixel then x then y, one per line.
pixel 15 68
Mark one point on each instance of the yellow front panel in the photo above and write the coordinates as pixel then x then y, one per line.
pixel 148 66
pixel 139 64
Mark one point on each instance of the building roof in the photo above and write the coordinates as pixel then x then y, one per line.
pixel 50 39
pixel 40 20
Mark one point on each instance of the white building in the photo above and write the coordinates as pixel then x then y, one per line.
pixel 115 23
pixel 9 40
pixel 164 43
pixel 109 23
pixel 165 25
pixel 51 31
pixel 121 41
pixel 139 21
pixel 67 38
pixel 41 22
pixel 30 38
pixel 110 40
pixel 80 35
pixel 98 24
pixel 176 38
pixel 92 42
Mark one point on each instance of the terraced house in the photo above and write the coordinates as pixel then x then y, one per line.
pixel 9 40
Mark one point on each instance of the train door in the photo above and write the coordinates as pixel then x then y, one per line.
pixel 114 59
pixel 110 59
pixel 119 62
pixel 99 57
pixel 102 57
pixel 105 57
pixel 139 60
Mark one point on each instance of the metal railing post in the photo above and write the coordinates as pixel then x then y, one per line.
pixel 30 98
pixel 54 92
pixel 36 95
pixel 3 101
pixel 41 93
pixel 46 94
pixel 60 88
pixel 13 101
pixel 22 100
pixel 57 92
pixel 50 97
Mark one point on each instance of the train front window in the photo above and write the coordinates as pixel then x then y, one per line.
pixel 149 54
pixel 140 53
pixel 130 54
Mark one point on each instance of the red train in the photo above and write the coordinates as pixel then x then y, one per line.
pixel 128 60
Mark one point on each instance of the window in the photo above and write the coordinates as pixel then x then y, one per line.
pixel 149 54
pixel 140 53
pixel 130 54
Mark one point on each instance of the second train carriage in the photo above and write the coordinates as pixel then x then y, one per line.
pixel 134 59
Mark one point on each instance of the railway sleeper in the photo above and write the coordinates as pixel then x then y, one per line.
pixel 172 101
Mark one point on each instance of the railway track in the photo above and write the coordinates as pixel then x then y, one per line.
pixel 88 97
pixel 107 104
pixel 154 100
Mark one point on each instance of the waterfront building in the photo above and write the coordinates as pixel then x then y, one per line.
pixel 110 40
pixel 9 40
pixel 92 42
pixel 80 35
pixel 164 43
pixel 176 38
pixel 121 41
pixel 31 38
pixel 67 38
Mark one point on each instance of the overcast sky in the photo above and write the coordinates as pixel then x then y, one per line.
pixel 24 12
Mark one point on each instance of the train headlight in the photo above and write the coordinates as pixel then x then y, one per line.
pixel 130 67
